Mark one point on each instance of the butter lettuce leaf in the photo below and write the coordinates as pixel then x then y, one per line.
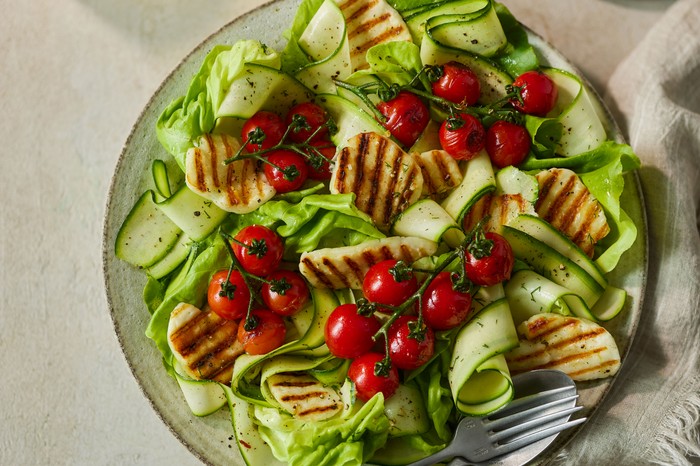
pixel 195 113
pixel 348 440
pixel 518 56
pixel 317 221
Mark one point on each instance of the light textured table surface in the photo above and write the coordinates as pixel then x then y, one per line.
pixel 74 76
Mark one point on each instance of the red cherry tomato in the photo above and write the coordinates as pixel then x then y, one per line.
pixel 457 84
pixel 283 159
pixel 407 116
pixel 406 352
pixel 267 124
pixel 538 91
pixel 507 143
pixel 384 283
pixel 315 117
pixel 231 301
pixel 463 142
pixel 267 335
pixel 349 334
pixel 327 150
pixel 492 268
pixel 443 306
pixel 258 249
pixel 367 382
pixel 291 298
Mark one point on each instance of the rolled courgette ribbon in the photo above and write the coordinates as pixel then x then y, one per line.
pixel 466 25
pixel 310 323
pixel 479 378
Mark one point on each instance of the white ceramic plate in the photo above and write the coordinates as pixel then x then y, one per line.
pixel 211 438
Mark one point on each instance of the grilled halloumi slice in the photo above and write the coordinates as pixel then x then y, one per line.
pixel 304 397
pixel 345 267
pixel 565 202
pixel 384 178
pixel 500 209
pixel 369 23
pixel 203 343
pixel 440 172
pixel 582 349
pixel 238 187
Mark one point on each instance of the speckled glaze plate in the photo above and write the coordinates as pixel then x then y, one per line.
pixel 210 438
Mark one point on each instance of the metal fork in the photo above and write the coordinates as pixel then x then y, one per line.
pixel 544 402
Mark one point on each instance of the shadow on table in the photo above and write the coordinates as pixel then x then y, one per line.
pixel 651 5
pixel 165 24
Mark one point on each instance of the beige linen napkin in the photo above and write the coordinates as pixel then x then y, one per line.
pixel 652 415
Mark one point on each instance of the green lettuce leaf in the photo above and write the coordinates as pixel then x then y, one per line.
pixel 349 440
pixel 545 134
pixel 606 184
pixel 395 62
pixel 317 221
pixel 518 56
pixel 194 114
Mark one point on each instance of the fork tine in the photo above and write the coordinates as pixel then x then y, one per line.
pixel 508 447
pixel 518 403
pixel 533 423
pixel 529 413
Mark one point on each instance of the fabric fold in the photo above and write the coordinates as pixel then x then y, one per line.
pixel 652 414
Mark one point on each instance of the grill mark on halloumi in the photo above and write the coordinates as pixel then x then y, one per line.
pixel 345 267
pixel 440 172
pixel 386 36
pixel 369 23
pixel 205 345
pixel 567 204
pixel 364 8
pixel 500 209
pixel 303 396
pixel 238 187
pixel 581 348
pixel 384 178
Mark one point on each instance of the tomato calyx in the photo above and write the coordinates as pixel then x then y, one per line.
pixel 479 246
pixel 401 271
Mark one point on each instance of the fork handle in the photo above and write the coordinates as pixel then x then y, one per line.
pixel 435 458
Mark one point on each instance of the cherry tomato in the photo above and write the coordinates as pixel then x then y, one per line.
pixel 367 382
pixel 258 249
pixel 349 334
pixel 231 301
pixel 405 351
pixel 407 116
pixel 288 301
pixel 384 283
pixel 492 267
pixel 327 150
pixel 284 159
pixel 539 93
pixel 457 84
pixel 443 306
pixel 263 124
pixel 463 141
pixel 507 143
pixel 267 335
pixel 315 117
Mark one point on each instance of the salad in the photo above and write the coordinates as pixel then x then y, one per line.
pixel 366 234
